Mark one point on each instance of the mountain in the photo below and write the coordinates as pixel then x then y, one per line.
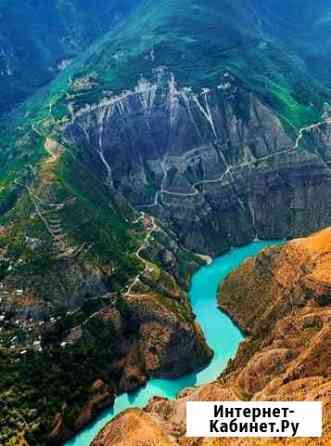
pixel 306 27
pixel 266 59
pixel 38 39
pixel 282 300
pixel 227 121
pixel 189 128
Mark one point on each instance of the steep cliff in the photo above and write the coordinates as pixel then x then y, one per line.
pixel 217 165
pixel 282 299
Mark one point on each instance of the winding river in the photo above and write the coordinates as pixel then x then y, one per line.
pixel 221 334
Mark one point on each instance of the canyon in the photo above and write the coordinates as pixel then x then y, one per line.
pixel 136 140
pixel 282 302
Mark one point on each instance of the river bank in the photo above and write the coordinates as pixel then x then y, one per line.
pixel 222 335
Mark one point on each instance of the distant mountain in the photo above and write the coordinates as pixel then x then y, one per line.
pixel 40 38
pixel 304 25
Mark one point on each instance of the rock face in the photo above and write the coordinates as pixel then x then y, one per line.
pixel 102 396
pixel 218 166
pixel 282 299
pixel 134 424
pixel 289 289
pixel 171 345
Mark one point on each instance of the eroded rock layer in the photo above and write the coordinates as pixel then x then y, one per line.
pixel 217 165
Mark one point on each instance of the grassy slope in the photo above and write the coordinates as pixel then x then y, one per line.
pixel 56 31
pixel 93 219
pixel 305 27
pixel 208 40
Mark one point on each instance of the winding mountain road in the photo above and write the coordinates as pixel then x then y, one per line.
pixel 149 234
pixel 229 169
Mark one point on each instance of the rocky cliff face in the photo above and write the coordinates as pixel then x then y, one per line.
pixel 282 298
pixel 217 165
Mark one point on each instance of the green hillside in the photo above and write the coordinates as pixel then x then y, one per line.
pixel 38 39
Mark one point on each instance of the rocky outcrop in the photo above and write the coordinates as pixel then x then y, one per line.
pixel 281 299
pixel 102 396
pixel 216 165
pixel 170 343
pixel 289 288
pixel 279 280
pixel 129 427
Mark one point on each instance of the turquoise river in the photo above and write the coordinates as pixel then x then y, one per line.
pixel 221 334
